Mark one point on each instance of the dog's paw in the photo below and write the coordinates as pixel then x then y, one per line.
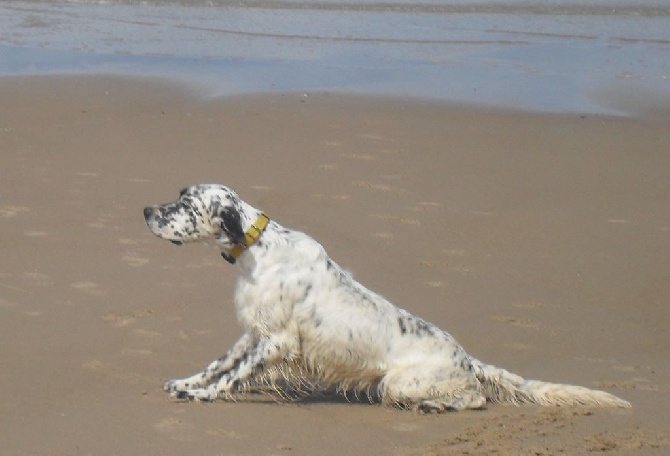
pixel 189 389
pixel 180 385
pixel 469 401
pixel 196 395
pixel 175 386
pixel 428 407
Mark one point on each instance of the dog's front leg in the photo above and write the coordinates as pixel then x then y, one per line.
pixel 214 371
pixel 266 352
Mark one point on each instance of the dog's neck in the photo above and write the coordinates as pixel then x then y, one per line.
pixel 251 236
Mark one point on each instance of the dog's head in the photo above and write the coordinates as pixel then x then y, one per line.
pixel 205 212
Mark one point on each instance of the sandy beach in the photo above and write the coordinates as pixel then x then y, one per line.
pixel 541 242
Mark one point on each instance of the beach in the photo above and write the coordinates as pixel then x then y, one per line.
pixel 537 234
pixel 539 242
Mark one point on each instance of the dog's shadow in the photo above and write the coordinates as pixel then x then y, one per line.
pixel 271 395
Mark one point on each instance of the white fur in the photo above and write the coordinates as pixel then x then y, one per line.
pixel 309 325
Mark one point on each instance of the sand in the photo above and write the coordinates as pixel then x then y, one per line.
pixel 541 242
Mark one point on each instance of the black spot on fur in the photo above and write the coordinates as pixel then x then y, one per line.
pixel 231 224
pixel 182 395
pixel 401 324
pixel 308 290
pixel 415 326
pixel 424 328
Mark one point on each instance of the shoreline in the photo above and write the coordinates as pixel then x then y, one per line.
pixel 523 55
pixel 643 104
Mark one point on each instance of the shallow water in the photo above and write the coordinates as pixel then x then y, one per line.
pixel 546 55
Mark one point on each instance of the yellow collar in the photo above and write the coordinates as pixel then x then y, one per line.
pixel 251 236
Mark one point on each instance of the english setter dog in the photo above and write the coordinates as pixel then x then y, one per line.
pixel 308 322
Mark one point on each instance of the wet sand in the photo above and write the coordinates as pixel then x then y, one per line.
pixel 552 56
pixel 539 241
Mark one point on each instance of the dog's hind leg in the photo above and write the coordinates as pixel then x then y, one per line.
pixel 213 371
pixel 434 388
pixel 463 400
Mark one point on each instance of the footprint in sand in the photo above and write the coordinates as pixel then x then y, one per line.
pixel 13 211
pixel 397 218
pixel 456 252
pixel 527 305
pixel 91 288
pixel 361 157
pixel 521 322
pixel 177 429
pixel 37 279
pixel 147 334
pixel 261 188
pixel 385 236
pixel 519 346
pixel 136 352
pixel 36 233
pixel 482 213
pixel 636 383
pixel 135 260
pixel 434 264
pixel 406 427
pixel 5 304
pixel 375 137
pixel 622 441
pixel 128 318
pixel 113 373
pixel 227 434
pixel 373 186
pixel 95 364
pixel 338 197
pixel 424 206
pixel 103 221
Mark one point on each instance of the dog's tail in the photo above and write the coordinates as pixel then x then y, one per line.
pixel 500 385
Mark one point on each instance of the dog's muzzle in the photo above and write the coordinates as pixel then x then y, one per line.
pixel 148 218
pixel 148 213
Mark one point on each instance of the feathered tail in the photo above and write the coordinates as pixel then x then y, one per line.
pixel 500 385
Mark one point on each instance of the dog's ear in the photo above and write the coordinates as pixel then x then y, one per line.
pixel 231 224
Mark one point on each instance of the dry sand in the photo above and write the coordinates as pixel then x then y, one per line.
pixel 541 242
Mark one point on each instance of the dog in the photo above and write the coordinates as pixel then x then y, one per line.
pixel 308 325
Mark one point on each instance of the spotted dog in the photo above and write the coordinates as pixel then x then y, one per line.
pixel 307 321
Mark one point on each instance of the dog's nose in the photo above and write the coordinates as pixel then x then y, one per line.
pixel 148 212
